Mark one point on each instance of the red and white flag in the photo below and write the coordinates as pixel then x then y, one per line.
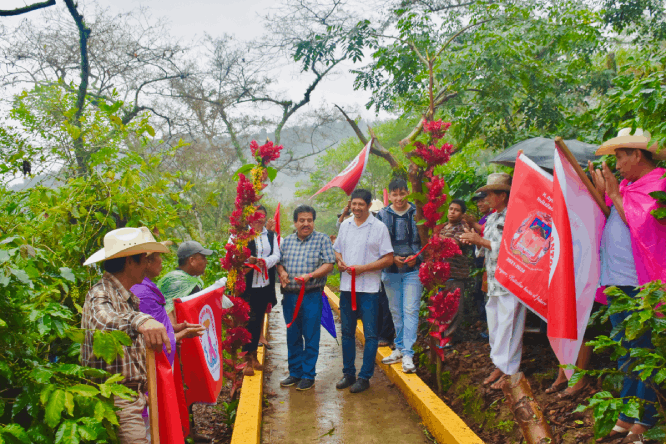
pixel 575 263
pixel 202 356
pixel 350 176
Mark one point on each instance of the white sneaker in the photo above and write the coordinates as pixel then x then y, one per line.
pixel 394 357
pixel 408 365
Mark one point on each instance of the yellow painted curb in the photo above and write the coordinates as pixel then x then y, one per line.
pixel 439 419
pixel 247 427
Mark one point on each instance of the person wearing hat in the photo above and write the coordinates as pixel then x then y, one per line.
pixel 111 306
pixel 632 246
pixel 505 313
pixel 186 279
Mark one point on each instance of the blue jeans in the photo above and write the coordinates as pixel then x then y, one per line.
pixel 367 305
pixel 303 335
pixel 404 295
pixel 632 384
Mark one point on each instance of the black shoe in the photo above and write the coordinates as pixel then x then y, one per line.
pixel 360 385
pixel 292 380
pixel 346 381
pixel 305 384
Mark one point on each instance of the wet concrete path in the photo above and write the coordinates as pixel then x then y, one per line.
pixel 326 415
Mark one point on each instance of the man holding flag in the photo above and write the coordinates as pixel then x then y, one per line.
pixel 632 254
pixel 362 249
pixel 306 258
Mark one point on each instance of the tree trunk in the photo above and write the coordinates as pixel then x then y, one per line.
pixel 526 411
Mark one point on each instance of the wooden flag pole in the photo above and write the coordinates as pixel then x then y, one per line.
pixel 152 397
pixel 590 187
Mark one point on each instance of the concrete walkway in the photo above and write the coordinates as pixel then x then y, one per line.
pixel 326 415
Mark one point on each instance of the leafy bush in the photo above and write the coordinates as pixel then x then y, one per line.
pixel 646 315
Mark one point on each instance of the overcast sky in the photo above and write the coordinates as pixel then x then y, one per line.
pixel 190 19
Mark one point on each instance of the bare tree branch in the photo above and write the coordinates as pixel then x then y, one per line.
pixel 25 9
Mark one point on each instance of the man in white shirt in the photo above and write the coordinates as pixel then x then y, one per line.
pixel 363 248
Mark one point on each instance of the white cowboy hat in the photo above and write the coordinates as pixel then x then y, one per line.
pixel 624 139
pixel 376 205
pixel 496 182
pixel 125 242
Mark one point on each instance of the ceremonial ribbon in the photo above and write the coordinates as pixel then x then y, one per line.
pixel 299 301
pixel 352 271
pixel 256 268
pixel 412 257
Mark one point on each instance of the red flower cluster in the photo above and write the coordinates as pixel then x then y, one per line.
pixel 245 194
pixel 432 155
pixel 266 152
pixel 436 198
pixel 238 314
pixel 435 271
pixel 443 307
pixel 437 129
pixel 233 257
pixel 236 338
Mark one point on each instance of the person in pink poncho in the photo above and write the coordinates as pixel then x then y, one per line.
pixel 632 254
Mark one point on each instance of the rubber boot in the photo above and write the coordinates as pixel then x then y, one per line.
pixel 248 370
pixel 255 362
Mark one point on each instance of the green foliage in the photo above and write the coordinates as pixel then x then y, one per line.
pixel 45 235
pixel 646 316
pixel 228 410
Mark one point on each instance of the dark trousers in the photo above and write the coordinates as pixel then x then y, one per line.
pixel 258 298
pixel 386 329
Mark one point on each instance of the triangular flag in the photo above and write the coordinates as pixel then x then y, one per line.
pixel 327 317
pixel 350 176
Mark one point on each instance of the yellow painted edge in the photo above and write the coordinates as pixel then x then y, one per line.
pixel 439 419
pixel 247 427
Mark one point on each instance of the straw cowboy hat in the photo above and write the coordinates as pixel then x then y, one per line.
pixel 125 242
pixel 376 205
pixel 624 139
pixel 496 182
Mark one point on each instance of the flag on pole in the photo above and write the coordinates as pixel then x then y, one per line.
pixel 167 402
pixel 202 356
pixel 575 267
pixel 350 176
pixel 277 223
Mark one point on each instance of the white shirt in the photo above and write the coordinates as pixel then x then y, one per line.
pixel 360 246
pixel 264 252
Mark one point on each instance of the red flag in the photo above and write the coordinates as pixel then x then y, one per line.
pixel 278 231
pixel 202 356
pixel 386 199
pixel 562 297
pixel 167 403
pixel 523 263
pixel 350 176
pixel 180 396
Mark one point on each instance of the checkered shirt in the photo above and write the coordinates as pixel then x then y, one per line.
pixel 493 232
pixel 109 306
pixel 299 257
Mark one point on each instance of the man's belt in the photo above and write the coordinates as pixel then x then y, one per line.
pixel 307 290
pixel 139 387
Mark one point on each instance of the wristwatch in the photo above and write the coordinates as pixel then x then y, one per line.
pixel 310 274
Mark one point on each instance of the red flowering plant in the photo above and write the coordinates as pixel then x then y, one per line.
pixel 237 253
pixel 436 270
pixel 235 337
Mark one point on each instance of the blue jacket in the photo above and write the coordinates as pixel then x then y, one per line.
pixel 409 244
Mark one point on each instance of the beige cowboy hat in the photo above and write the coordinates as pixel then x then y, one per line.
pixel 125 242
pixel 376 205
pixel 624 139
pixel 496 182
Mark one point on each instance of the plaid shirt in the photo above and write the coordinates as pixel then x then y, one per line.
pixel 299 257
pixel 493 232
pixel 461 263
pixel 109 306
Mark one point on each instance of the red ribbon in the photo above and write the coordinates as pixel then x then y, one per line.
pixel 258 269
pixel 352 271
pixel 299 301
pixel 412 257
